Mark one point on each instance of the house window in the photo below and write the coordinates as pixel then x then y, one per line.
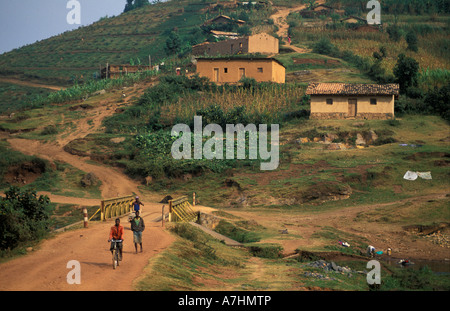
pixel 329 101
pixel 225 70
pixel 373 101
pixel 260 70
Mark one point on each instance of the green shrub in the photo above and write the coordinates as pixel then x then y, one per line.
pixel 49 130
pixel 323 46
pixel 23 217
pixel 267 251
pixel 243 236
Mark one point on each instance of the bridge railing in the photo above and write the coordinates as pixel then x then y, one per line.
pixel 180 210
pixel 115 207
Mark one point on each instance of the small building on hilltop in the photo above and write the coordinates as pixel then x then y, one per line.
pixel 232 70
pixel 359 24
pixel 354 20
pixel 223 19
pixel 116 71
pixel 316 11
pixel 260 43
pixel 358 101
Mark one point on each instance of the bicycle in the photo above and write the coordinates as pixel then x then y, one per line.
pixel 115 258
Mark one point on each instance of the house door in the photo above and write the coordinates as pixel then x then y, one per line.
pixel 352 104
pixel 216 75
pixel 241 73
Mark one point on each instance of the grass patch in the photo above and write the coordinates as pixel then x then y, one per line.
pixel 236 233
pixel 193 260
pixel 271 251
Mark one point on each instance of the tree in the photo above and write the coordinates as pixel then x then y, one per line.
pixel 311 4
pixel 412 41
pixel 23 217
pixel 394 32
pixel 244 30
pixel 376 71
pixel 406 72
pixel 173 43
pixel 437 100
pixel 134 4
pixel 323 46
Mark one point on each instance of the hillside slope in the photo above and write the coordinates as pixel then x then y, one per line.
pixel 136 34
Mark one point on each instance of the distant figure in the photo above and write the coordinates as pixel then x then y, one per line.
pixel 137 205
pixel 370 251
pixel 289 39
pixel 137 226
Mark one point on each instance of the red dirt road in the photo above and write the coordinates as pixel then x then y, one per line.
pixel 45 269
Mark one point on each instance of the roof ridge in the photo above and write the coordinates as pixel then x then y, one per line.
pixel 317 88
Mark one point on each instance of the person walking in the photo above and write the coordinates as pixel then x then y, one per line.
pixel 137 226
pixel 137 205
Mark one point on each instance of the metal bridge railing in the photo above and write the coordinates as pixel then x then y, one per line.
pixel 114 207
pixel 180 210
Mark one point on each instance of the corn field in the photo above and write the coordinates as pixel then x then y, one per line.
pixel 265 100
pixel 434 78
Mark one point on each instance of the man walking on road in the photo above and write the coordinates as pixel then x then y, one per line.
pixel 137 226
pixel 137 205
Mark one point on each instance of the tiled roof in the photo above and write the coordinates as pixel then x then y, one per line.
pixel 352 89
pixel 226 17
pixel 223 33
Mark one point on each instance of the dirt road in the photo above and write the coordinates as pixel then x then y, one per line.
pixel 279 19
pixel 31 84
pixel 45 269
pixel 114 182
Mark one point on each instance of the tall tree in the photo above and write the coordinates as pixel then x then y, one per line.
pixel 406 72
pixel 173 43
pixel 134 4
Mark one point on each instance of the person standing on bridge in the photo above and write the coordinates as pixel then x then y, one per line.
pixel 137 226
pixel 137 205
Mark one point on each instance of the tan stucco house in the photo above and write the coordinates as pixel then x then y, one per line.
pixel 346 101
pixel 231 70
pixel 260 43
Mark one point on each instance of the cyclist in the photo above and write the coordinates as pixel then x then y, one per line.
pixel 116 233
pixel 137 226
